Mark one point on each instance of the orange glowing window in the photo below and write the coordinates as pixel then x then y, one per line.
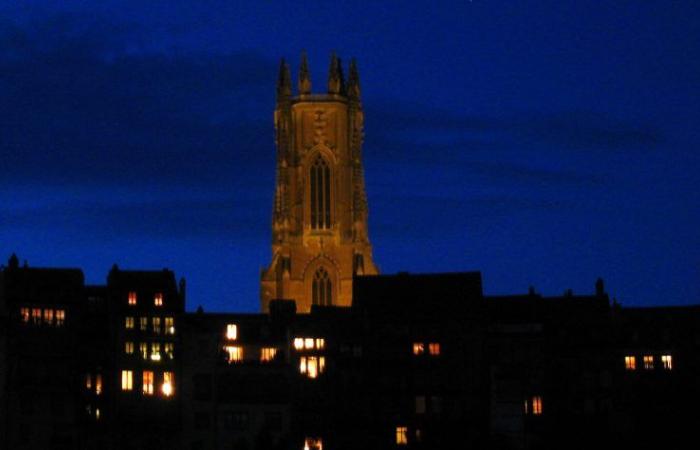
pixel 418 348
pixel 235 353
pixel 231 332
pixel 168 384
pixel 630 363
pixel 127 380
pixel 129 323
pixel 147 385
pixel 434 348
pixel 158 299
pixel 48 316
pixel 537 405
pixel 648 362
pixel 267 354
pixel 156 325
pixel 155 351
pixel 313 443
pixel 60 317
pixel 98 384
pixel 312 366
pixel 88 382
pixel 129 348
pixel 131 298
pixel 320 343
pixel 143 349
pixel 36 316
pixel 298 343
pixel 308 343
pixel 169 325
pixel 24 314
pixel 401 435
pixel 667 362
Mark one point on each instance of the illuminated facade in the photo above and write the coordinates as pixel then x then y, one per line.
pixel 319 220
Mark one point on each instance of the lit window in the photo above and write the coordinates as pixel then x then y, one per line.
pixel 158 299
pixel 36 316
pixel 98 384
pixel 267 354
pixel 129 323
pixel 667 362
pixel 156 325
pixel 527 406
pixel 314 443
pixel 129 348
pixel 97 413
pixel 401 435
pixel 231 332
pixel 155 351
pixel 168 384
pixel 320 343
pixel 60 317
pixel 170 350
pixel 308 343
pixel 648 362
pixel 169 325
pixel 24 314
pixel 630 363
pixel 298 343
pixel 144 323
pixel 235 354
pixel 312 366
pixel 434 348
pixel 132 298
pixel 143 349
pixel 88 382
pixel 127 380
pixel 48 316
pixel 147 385
pixel 418 348
pixel 537 405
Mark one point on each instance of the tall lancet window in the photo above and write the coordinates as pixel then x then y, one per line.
pixel 320 195
pixel 322 288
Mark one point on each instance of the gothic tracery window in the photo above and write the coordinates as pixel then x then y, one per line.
pixel 321 288
pixel 320 194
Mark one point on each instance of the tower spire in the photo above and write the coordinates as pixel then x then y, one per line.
pixel 353 81
pixel 304 77
pixel 284 82
pixel 336 84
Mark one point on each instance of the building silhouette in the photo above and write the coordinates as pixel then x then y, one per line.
pixel 340 357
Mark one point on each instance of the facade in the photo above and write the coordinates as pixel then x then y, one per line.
pixel 340 357
pixel 319 220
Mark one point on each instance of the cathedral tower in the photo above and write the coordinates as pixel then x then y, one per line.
pixel 319 218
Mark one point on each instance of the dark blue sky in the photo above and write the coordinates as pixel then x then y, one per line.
pixel 543 143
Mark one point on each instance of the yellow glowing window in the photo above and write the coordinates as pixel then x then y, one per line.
pixel 143 349
pixel 158 299
pixel 320 343
pixel 132 298
pixel 170 350
pixel 313 443
pixel 156 325
pixel 143 321
pixel 418 348
pixel 48 316
pixel 298 343
pixel 434 348
pixel 147 385
pixel 401 435
pixel 267 354
pixel 36 316
pixel 97 413
pixel 169 325
pixel 98 384
pixel 630 363
pixel 235 353
pixel 231 332
pixel 24 314
pixel 155 351
pixel 308 343
pixel 127 380
pixel 168 384
pixel 667 362
pixel 60 317
pixel 312 366
pixel 88 382
pixel 129 347
pixel 129 323
pixel 648 362
pixel 537 405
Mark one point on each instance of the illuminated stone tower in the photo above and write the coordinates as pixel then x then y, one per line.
pixel 319 217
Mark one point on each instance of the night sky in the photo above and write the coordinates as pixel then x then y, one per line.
pixel 543 143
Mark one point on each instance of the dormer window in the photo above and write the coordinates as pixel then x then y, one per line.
pixel 158 299
pixel 131 298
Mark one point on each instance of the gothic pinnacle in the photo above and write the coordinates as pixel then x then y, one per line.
pixel 304 77
pixel 284 82
pixel 353 80
pixel 335 76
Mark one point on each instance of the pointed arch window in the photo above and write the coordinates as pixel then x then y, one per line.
pixel 320 177
pixel 322 288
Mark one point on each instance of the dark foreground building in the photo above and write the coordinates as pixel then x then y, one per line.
pixel 417 361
